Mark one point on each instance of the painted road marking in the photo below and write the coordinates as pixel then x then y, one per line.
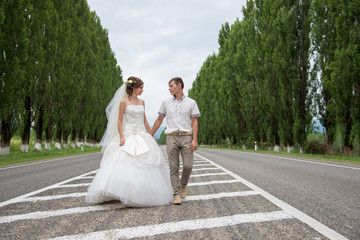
pixel 47 161
pixel 69 211
pixel 220 195
pixel 208 174
pixel 319 227
pixel 187 225
pixel 188 198
pixel 305 161
pixel 72 185
pixel 288 211
pixel 213 182
pixel 203 169
pixel 52 197
pixel 14 200
pixel 201 165
pixel 27 198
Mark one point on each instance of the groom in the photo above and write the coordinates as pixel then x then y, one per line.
pixel 182 129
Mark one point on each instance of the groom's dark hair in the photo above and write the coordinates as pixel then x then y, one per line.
pixel 177 80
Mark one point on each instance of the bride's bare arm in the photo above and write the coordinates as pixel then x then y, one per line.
pixel 120 121
pixel 157 124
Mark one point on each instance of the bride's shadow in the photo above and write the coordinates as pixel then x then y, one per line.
pixel 120 203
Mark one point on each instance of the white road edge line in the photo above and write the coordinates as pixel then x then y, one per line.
pixel 319 227
pixel 187 225
pixel 17 199
pixel 305 161
pixel 47 161
pixel 77 210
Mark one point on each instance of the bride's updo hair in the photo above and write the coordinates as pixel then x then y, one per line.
pixel 133 82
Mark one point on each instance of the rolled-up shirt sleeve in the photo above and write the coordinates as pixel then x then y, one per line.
pixel 162 110
pixel 195 112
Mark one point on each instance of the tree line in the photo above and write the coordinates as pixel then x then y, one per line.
pixel 57 72
pixel 284 64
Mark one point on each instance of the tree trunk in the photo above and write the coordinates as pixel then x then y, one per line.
pixel 301 150
pixel 80 141
pixel 88 140
pixel 276 148
pixel 38 145
pixel 58 139
pixel 5 137
pixel 25 136
pixel 289 148
pixel 65 142
pixel 73 138
pixel 39 130
pixel 48 137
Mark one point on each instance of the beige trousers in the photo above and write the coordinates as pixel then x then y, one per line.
pixel 174 146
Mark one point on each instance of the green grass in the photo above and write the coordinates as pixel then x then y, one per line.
pixel 315 157
pixel 16 156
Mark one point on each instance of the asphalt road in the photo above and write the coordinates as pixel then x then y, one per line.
pixel 329 193
pixel 16 180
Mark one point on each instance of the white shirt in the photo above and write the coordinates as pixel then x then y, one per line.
pixel 179 114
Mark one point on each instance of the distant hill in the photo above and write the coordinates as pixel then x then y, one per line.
pixel 158 132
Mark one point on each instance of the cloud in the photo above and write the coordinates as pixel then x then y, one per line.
pixel 157 40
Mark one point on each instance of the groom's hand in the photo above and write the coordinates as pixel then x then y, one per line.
pixel 193 145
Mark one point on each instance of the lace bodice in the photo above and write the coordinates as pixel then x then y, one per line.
pixel 134 116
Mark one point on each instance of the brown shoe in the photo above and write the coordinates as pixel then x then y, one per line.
pixel 183 192
pixel 177 200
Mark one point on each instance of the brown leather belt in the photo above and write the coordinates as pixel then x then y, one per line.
pixel 181 133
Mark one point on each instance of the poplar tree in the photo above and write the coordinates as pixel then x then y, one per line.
pixel 40 67
pixel 324 46
pixel 345 77
pixel 14 44
pixel 229 80
pixel 335 36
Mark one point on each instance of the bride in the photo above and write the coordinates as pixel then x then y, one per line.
pixel 133 168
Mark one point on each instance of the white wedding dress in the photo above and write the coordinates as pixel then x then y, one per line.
pixel 135 173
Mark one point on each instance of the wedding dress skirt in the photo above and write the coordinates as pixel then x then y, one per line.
pixel 135 173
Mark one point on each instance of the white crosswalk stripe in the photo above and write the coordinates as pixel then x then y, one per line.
pixel 171 227
pixel 68 211
pixel 54 197
pixel 46 214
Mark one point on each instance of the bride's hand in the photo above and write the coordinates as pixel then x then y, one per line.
pixel 122 142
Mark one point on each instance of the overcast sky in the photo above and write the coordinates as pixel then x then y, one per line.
pixel 157 40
